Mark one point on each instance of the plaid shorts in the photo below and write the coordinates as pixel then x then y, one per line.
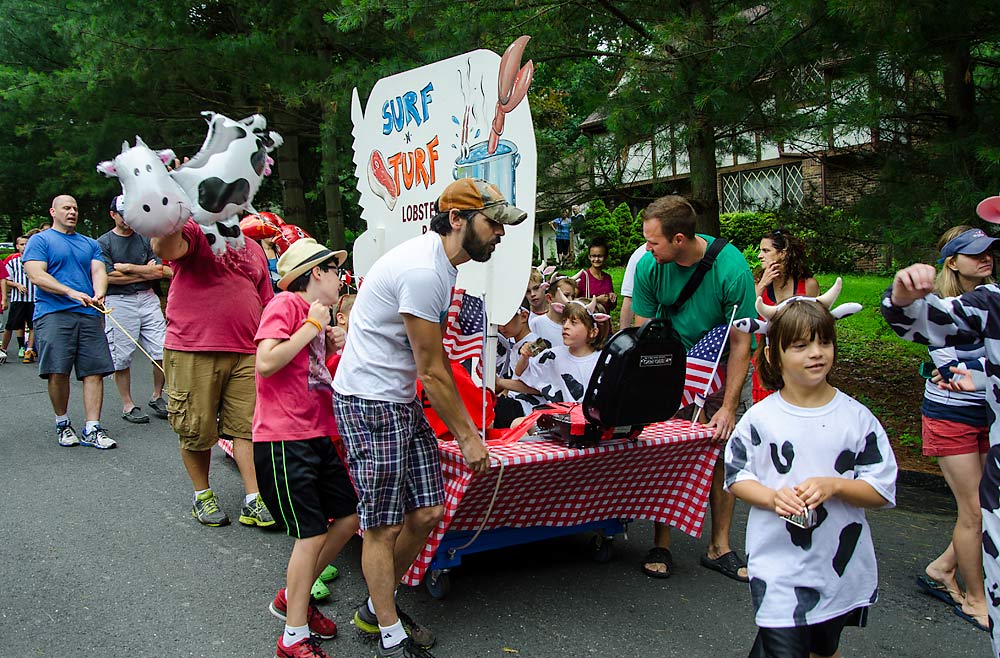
pixel 393 457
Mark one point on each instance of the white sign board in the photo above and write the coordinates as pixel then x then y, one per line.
pixel 424 128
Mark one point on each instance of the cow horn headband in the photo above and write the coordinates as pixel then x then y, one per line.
pixel 591 309
pixel 766 312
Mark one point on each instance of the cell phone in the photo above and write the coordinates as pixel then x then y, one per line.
pixel 538 346
pixel 804 521
pixel 927 369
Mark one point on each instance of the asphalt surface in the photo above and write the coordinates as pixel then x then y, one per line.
pixel 99 556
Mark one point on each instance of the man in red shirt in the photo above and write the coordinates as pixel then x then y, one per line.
pixel 213 309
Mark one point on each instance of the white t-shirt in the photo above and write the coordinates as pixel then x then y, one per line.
pixel 802 577
pixel 628 280
pixel 558 375
pixel 415 277
pixel 546 328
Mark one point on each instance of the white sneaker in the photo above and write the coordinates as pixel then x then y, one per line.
pixel 67 436
pixel 98 439
pixel 3 357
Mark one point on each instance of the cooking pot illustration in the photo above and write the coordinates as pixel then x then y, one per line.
pixel 499 167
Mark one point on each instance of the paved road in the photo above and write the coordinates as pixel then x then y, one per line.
pixel 99 557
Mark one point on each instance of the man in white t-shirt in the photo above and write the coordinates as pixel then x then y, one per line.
pixel 395 337
pixel 628 282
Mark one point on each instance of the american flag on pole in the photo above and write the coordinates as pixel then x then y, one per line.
pixel 702 359
pixel 463 333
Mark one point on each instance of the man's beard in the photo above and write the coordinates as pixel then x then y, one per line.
pixel 478 250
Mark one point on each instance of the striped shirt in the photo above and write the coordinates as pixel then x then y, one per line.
pixel 16 273
pixel 961 407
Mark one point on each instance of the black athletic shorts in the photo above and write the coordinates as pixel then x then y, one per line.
pixel 822 639
pixel 19 316
pixel 562 247
pixel 304 484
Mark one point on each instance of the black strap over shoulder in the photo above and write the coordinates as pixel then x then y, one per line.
pixel 699 274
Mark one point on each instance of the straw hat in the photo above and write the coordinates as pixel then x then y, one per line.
pixel 301 257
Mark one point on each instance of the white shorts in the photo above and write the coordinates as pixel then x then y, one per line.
pixel 141 316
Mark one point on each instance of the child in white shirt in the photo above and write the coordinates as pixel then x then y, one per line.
pixel 814 454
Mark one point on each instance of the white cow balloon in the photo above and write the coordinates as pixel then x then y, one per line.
pixel 155 205
pixel 223 177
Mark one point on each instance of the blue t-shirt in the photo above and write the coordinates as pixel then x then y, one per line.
pixel 563 225
pixel 67 257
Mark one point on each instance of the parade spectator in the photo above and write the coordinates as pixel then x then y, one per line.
pixel 561 290
pixel 675 251
pixel 19 296
pixel 538 303
pixel 561 225
pixel 594 282
pixel 68 272
pixel 133 270
pixel 306 482
pixel 562 372
pixel 784 273
pixel 393 454
pixel 918 315
pixel 956 430
pixel 812 562
pixel 628 283
pixel 213 310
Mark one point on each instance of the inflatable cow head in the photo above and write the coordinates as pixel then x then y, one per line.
pixel 155 205
pixel 223 177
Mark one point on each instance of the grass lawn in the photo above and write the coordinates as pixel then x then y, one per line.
pixel 874 366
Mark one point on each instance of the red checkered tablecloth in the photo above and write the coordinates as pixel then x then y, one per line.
pixel 664 476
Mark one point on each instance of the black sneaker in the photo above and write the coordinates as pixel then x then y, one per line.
pixel 405 649
pixel 366 621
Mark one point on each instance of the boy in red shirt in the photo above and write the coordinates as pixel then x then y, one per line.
pixel 301 478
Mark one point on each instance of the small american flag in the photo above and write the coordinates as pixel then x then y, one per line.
pixel 701 359
pixel 463 333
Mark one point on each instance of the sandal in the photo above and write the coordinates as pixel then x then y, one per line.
pixel 937 589
pixel 658 555
pixel 969 618
pixel 728 565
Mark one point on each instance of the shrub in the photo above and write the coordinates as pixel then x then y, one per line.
pixel 745 229
pixel 600 222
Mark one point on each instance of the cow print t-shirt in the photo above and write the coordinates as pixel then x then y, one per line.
pixel 803 577
pixel 558 376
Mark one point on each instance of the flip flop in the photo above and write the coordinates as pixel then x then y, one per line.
pixel 658 555
pixel 936 588
pixel 728 565
pixel 969 618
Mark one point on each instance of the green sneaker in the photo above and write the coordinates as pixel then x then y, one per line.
pixel 206 510
pixel 366 622
pixel 255 513
pixel 329 573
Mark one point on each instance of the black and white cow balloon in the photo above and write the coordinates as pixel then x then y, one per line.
pixel 223 177
pixel 215 187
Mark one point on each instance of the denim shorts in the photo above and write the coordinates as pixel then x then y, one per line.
pixel 393 458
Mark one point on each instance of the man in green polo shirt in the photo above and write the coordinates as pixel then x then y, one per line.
pixel 674 253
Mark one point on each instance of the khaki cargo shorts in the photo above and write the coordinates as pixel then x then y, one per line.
pixel 209 394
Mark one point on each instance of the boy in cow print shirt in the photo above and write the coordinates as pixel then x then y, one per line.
pixel 916 314
pixel 808 448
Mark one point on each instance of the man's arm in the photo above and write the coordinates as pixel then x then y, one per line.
pixel 439 386
pixel 170 247
pixel 37 271
pixel 626 316
pixel 737 365
pixel 99 276
pixel 125 273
